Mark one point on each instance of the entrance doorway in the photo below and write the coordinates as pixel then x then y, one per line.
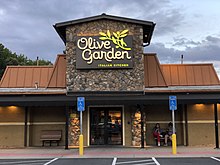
pixel 106 125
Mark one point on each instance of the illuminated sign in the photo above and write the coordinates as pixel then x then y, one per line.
pixel 105 51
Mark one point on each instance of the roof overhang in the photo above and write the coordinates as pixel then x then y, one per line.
pixel 150 96
pixel 148 26
pixel 23 99
pixel 31 91
pixel 184 89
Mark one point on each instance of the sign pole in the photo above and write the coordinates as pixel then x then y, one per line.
pixel 80 123
pixel 80 108
pixel 174 134
pixel 173 107
pixel 81 136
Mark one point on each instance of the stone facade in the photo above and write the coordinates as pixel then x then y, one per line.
pixel 109 79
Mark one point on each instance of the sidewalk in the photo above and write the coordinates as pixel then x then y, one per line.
pixel 107 152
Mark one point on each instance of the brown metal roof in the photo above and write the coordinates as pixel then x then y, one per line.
pixel 190 74
pixel 162 75
pixel 58 77
pixel 26 76
pixel 153 76
pixel 156 75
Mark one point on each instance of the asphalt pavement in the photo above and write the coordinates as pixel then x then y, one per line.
pixel 187 161
pixel 201 155
pixel 114 161
pixel 107 152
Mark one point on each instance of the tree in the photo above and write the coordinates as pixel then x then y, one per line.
pixel 9 58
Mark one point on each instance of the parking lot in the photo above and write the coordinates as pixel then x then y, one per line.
pixel 113 161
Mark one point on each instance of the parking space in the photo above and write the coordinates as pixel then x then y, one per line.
pixel 184 161
pixel 216 158
pixel 83 161
pixel 138 161
pixel 113 161
pixel 135 161
pixel 26 161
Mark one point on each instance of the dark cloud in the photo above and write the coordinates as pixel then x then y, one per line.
pixel 166 55
pixel 26 25
pixel 167 18
pixel 168 21
pixel 184 42
pixel 206 50
pixel 213 40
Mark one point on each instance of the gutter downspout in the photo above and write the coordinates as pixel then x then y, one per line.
pixel 216 126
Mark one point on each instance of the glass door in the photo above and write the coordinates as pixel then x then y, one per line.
pixel 97 126
pixel 105 126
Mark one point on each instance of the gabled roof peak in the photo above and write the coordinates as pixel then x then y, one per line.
pixel 104 16
pixel 148 26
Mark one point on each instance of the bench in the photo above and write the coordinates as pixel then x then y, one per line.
pixel 162 140
pixel 51 136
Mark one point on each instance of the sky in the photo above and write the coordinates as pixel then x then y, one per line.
pixel 183 27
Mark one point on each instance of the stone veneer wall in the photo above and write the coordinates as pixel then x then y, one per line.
pixel 105 80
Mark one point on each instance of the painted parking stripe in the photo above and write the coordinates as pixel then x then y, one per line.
pixel 23 162
pixel 51 161
pixel 114 161
pixel 215 159
pixel 145 163
pixel 154 159
pixel 136 161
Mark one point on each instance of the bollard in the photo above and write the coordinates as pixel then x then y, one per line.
pixel 174 144
pixel 81 144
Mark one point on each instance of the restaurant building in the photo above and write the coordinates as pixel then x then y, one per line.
pixel 126 91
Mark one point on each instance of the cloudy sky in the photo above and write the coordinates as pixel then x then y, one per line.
pixel 188 27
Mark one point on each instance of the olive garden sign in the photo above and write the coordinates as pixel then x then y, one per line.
pixel 105 51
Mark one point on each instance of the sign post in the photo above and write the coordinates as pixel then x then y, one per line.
pixel 80 108
pixel 173 107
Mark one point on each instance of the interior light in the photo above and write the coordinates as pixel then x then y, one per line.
pixel 199 105
pixel 12 107
pixel 138 115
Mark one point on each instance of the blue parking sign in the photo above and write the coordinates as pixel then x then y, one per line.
pixel 80 103
pixel 172 103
